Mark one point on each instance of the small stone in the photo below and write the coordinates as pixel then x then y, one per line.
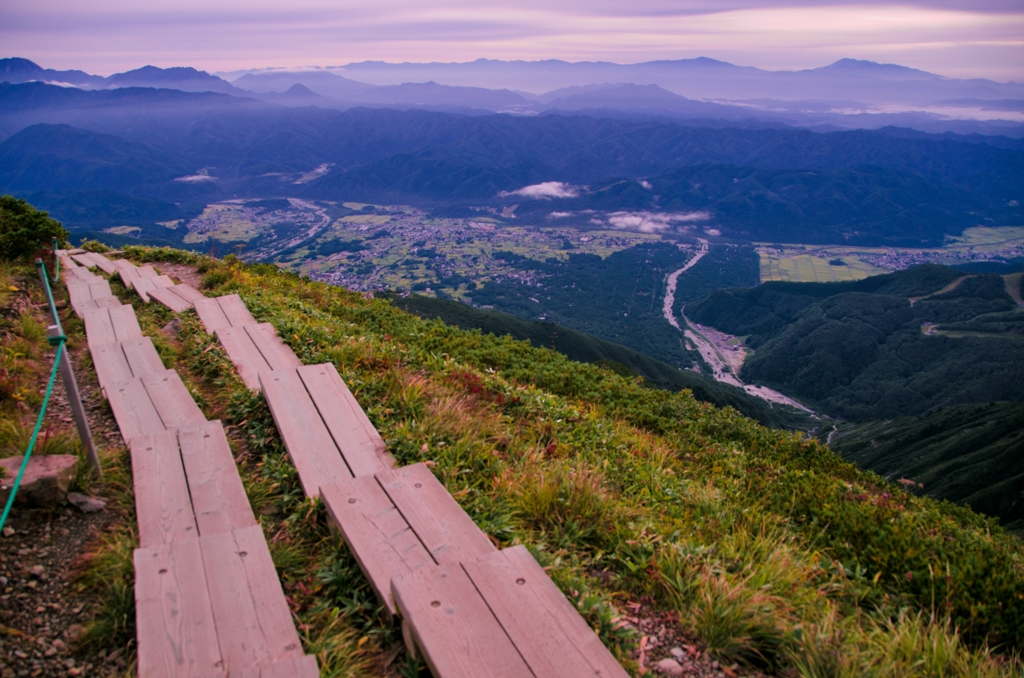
pixel 51 652
pixel 8 532
pixel 73 633
pixel 37 571
pixel 59 644
pixel 678 653
pixel 74 672
pixel 171 328
pixel 86 504
pixel 670 667
pixel 69 663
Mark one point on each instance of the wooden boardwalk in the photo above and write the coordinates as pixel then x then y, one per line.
pixel 208 599
pixel 468 608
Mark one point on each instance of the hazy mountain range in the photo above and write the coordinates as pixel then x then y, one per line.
pixel 844 95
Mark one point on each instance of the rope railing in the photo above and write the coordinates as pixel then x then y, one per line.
pixel 57 341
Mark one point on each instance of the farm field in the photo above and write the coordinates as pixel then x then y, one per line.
pixel 795 262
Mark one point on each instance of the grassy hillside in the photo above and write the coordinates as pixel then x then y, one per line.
pixel 585 348
pixel 763 546
pixel 969 454
pixel 889 345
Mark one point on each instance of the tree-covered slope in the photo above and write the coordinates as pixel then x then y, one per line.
pixel 586 348
pixel 969 454
pixel 877 347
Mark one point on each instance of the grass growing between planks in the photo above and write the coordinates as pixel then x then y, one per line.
pixel 770 548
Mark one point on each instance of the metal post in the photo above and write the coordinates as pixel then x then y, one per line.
pixel 67 374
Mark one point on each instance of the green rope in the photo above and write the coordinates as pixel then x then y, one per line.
pixel 59 340
pixel 49 295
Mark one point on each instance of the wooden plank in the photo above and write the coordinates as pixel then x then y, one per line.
pixel 126 325
pixel 211 315
pixel 278 355
pixel 453 627
pixel 447 531
pixel 147 271
pixel 99 288
pixel 81 273
pixel 99 329
pixel 104 264
pixel 254 624
pixel 243 353
pixel 297 667
pixel 167 297
pixel 134 411
pixel 128 272
pixel 547 630
pixel 235 310
pixel 379 537
pixel 163 506
pixel 188 293
pixel 110 364
pixel 360 444
pixel 161 281
pixel 142 287
pixel 84 259
pixel 142 356
pixel 218 498
pixel 173 618
pixel 305 436
pixel 78 294
pixel 172 400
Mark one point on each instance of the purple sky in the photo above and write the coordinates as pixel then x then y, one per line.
pixel 984 38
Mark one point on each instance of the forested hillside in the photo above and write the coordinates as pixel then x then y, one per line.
pixel 970 454
pixel 879 347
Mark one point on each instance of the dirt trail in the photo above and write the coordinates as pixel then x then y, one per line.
pixel 1012 283
pixel 948 288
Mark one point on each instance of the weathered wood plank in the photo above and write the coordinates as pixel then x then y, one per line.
pixel 142 287
pixel 379 537
pixel 305 436
pixel 188 293
pixel 78 294
pixel 547 630
pixel 235 310
pixel 99 329
pixel 167 297
pixel 126 325
pixel 110 364
pixel 172 400
pixel 254 624
pixel 360 444
pixel 174 621
pixel 134 411
pixel 243 353
pixel 80 273
pixel 142 356
pixel 128 272
pixel 147 271
pixel 447 531
pixel 453 627
pixel 218 498
pixel 211 315
pixel 104 264
pixel 99 288
pixel 277 354
pixel 298 667
pixel 163 506
pixel 84 259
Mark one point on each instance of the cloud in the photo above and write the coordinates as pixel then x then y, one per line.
pixel 560 215
pixel 652 222
pixel 544 191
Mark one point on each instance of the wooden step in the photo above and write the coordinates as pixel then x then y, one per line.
pixel 80 273
pixel 445 617
pixel 142 356
pixel 90 304
pixel 211 314
pixel 188 293
pixel 244 354
pixel 163 505
pixel 174 622
pixel 309 444
pixel 172 400
pixel 235 310
pixel 545 628
pixel 254 624
pixel 375 531
pixel 146 284
pixel 134 411
pixel 446 530
pixel 277 354
pixel 84 259
pixel 104 264
pixel 167 297
pixel 218 498
pixel 362 447
pixel 110 325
